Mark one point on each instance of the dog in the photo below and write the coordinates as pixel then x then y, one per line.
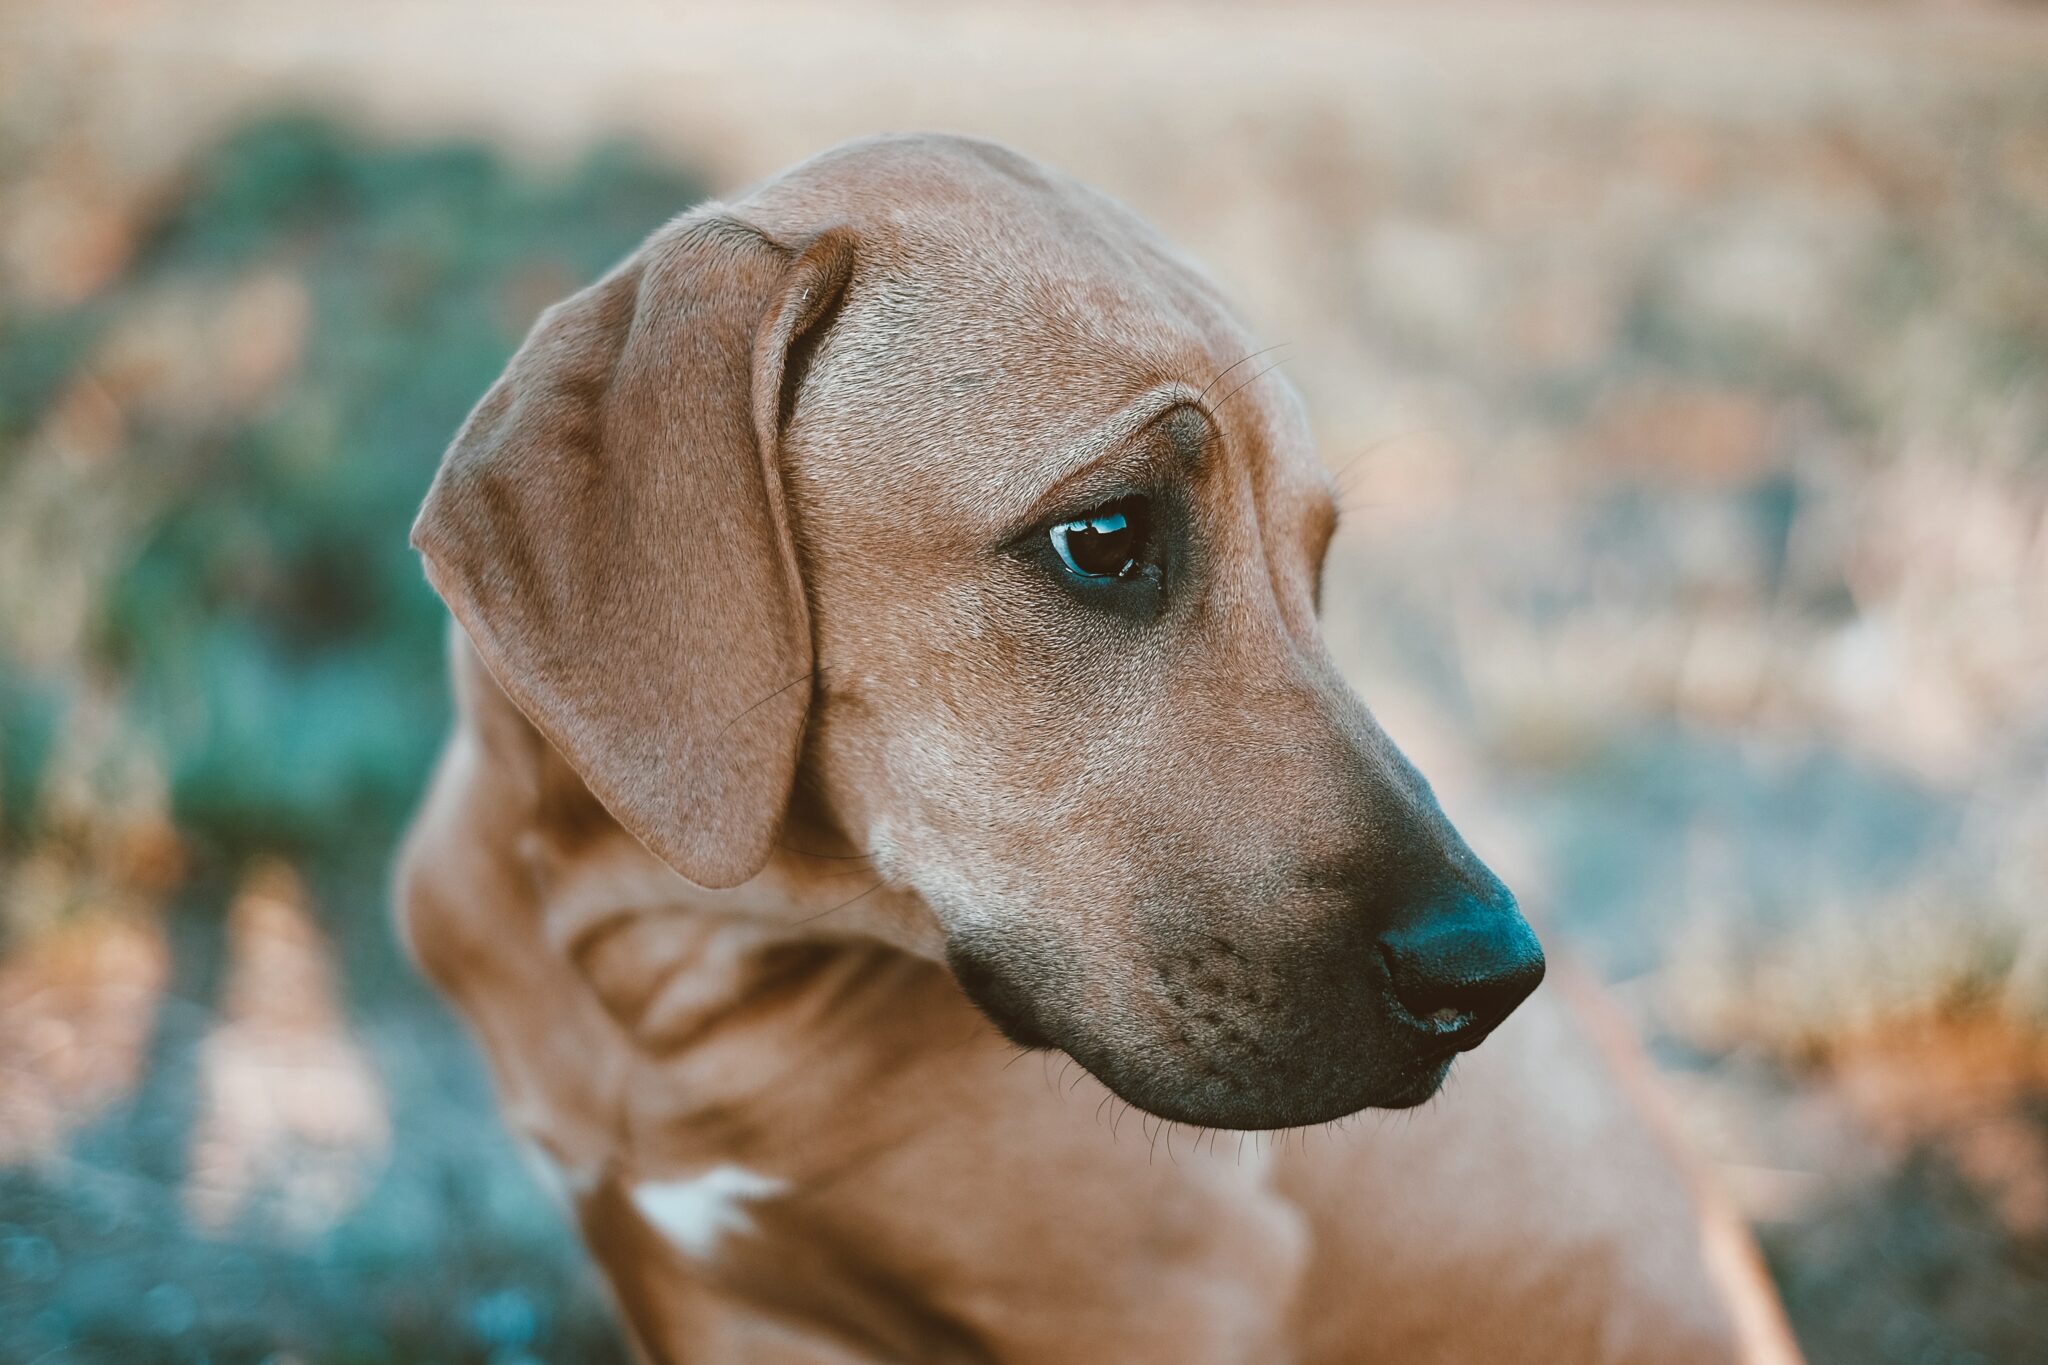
pixel 914 871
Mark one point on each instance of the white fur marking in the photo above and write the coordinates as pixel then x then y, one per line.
pixel 694 1213
pixel 547 1173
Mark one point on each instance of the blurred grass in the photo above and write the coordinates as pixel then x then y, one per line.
pixel 216 647
pixel 1714 521
pixel 261 619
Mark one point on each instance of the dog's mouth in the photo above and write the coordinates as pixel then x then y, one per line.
pixel 1374 1055
pixel 1421 1084
pixel 997 995
pixel 1314 1085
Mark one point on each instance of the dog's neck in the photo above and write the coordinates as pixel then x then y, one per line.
pixel 730 991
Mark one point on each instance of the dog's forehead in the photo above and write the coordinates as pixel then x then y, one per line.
pixel 975 235
pixel 1000 305
pixel 937 186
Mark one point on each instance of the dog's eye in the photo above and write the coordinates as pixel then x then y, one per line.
pixel 1112 541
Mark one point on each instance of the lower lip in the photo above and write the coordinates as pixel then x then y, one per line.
pixel 1439 1047
pixel 1422 1083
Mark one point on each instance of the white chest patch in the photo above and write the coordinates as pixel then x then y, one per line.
pixel 696 1212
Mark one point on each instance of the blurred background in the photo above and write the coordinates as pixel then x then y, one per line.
pixel 1684 371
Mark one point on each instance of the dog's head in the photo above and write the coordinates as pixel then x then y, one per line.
pixel 937 486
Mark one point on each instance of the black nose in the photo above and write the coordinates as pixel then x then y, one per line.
pixel 1461 968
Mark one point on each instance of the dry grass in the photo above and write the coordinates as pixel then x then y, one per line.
pixel 1682 366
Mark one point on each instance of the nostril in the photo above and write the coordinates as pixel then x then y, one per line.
pixel 1449 1018
pixel 1459 972
pixel 1436 1002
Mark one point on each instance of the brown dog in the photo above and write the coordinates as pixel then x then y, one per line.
pixel 887 596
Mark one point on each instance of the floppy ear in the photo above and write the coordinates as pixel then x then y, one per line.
pixel 609 527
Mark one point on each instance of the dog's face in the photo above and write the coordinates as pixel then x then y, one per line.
pixel 1058 536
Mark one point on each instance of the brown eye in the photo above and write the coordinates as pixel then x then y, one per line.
pixel 1113 541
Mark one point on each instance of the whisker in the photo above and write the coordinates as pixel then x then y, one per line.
pixel 842 874
pixel 1348 506
pixel 842 905
pixel 807 675
pixel 1356 464
pixel 813 853
pixel 1266 350
pixel 1249 382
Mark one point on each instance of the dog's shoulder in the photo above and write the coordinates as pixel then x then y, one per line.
pixel 499 794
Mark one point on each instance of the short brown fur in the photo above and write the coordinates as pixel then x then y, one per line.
pixel 766 722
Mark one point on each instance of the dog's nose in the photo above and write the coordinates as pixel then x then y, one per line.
pixel 1460 969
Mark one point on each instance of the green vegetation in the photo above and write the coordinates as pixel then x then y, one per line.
pixel 326 313
pixel 217 647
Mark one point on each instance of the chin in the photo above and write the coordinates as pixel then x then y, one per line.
pixel 1215 1100
pixel 1423 1084
pixel 1303 1078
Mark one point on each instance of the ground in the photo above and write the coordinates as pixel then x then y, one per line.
pixel 1681 367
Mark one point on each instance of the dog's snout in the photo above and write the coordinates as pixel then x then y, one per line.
pixel 1460 969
